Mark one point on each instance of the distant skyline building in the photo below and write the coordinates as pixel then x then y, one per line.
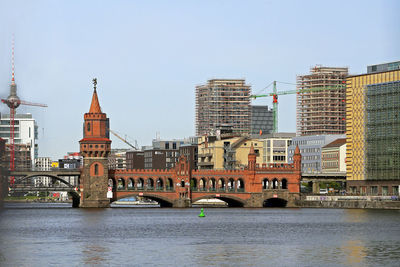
pixel 321 107
pixel 383 67
pixel 163 154
pixel 373 131
pixel 42 164
pixel 222 104
pixel 311 150
pixel 26 133
pixel 334 157
pixel 117 159
pixel 262 120
pixel 231 153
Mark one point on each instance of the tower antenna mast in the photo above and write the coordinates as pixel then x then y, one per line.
pixel 13 103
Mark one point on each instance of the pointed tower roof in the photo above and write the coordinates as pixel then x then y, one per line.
pixel 252 152
pixel 95 106
pixel 297 150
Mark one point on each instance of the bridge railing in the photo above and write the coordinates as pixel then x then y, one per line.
pixel 38 169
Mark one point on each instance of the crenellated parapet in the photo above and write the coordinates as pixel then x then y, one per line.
pixel 143 171
pixel 271 167
pixel 217 172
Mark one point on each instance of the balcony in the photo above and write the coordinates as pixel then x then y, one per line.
pixel 207 163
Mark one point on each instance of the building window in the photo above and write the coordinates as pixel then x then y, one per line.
pixel 88 127
pixel 96 169
pixel 395 190
pixel 385 190
pixel 374 190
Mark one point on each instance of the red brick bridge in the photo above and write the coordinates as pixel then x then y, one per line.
pixel 255 186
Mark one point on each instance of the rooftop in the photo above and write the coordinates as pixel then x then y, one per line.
pixel 336 143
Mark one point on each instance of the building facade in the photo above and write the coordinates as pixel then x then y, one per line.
pixel 311 149
pixel 231 153
pixel 223 103
pixel 334 157
pixel 135 159
pixel 4 167
pixel 22 156
pixel 383 67
pixel 163 154
pixel 373 131
pixel 321 107
pixel 42 164
pixel 25 132
pixel 262 120
pixel 117 159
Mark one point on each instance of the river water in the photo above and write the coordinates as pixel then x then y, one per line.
pixel 57 235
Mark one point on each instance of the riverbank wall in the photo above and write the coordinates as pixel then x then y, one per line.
pixel 349 202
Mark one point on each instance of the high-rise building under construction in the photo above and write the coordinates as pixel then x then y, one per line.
pixel 321 102
pixel 223 104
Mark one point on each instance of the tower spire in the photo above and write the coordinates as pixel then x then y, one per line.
pixel 12 62
pixel 95 105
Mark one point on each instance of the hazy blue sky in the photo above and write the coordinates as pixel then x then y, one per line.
pixel 149 55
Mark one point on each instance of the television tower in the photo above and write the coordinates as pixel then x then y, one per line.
pixel 13 102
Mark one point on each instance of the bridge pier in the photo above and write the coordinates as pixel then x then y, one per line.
pixel 256 200
pixel 182 203
pixel 315 187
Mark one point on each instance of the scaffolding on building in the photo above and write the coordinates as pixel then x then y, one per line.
pixel 321 112
pixel 223 103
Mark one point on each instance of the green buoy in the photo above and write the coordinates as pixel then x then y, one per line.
pixel 202 213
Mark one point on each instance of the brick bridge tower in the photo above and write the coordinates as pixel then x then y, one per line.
pixel 95 148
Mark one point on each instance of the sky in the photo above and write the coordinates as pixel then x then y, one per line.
pixel 148 56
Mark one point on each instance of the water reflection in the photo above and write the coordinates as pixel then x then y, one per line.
pixel 46 236
pixel 354 251
pixel 355 215
pixel 95 254
pixel 95 250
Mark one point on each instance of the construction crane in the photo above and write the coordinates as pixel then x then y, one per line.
pixel 13 102
pixel 275 94
pixel 122 139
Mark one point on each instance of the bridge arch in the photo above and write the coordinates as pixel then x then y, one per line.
pixel 231 200
pixel 221 184
pixel 72 189
pixel 231 184
pixel 163 201
pixel 275 183
pixel 20 179
pixel 202 184
pixel 160 184
pixel 150 183
pixel 212 185
pixel 265 184
pixel 169 184
pixel 275 203
pixel 140 184
pixel 130 184
pixel 240 185
pixel 121 184
pixel 284 183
